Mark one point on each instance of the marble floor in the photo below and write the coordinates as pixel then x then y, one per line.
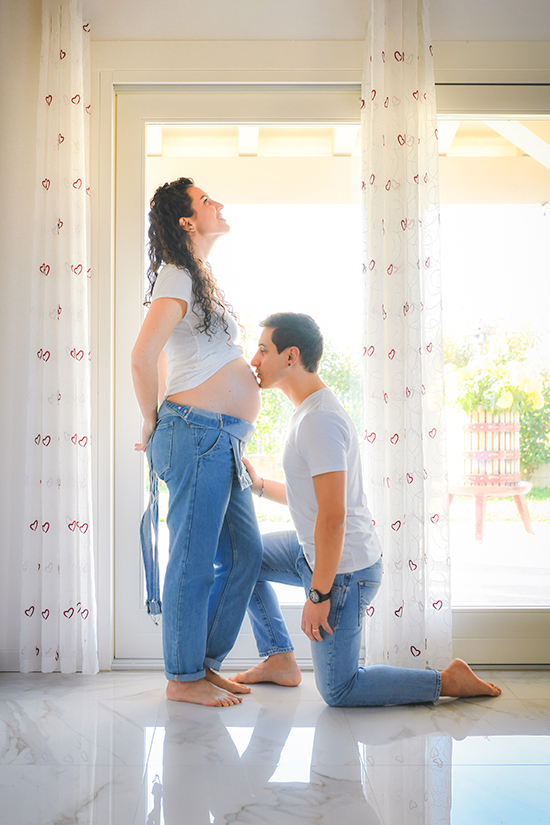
pixel 110 749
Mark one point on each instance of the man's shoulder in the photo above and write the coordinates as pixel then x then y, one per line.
pixel 328 407
pixel 324 420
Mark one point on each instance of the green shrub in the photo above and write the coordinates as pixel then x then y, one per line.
pixel 535 435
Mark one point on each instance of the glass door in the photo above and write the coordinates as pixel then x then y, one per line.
pixel 286 164
pixel 292 198
pixel 495 224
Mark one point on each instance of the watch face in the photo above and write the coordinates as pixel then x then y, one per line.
pixel 314 596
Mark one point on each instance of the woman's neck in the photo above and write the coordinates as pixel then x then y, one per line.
pixel 203 247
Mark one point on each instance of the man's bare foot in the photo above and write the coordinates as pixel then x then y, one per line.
pixel 201 692
pixel 281 669
pixel 220 681
pixel 458 679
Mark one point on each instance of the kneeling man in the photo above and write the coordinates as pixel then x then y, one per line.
pixel 334 552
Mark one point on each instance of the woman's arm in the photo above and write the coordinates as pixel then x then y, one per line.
pixel 162 317
pixel 266 487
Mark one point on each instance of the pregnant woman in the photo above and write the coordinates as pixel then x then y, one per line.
pixel 195 442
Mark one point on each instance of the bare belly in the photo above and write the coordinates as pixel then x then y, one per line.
pixel 233 390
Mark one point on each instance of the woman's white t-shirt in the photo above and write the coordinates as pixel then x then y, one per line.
pixel 193 356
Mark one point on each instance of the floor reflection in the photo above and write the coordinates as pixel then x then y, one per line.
pixel 396 765
pixel 110 749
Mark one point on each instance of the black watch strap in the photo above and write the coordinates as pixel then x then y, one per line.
pixel 316 597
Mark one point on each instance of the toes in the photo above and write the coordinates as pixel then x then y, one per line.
pixel 241 689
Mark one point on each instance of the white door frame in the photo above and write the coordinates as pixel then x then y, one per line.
pixel 137 640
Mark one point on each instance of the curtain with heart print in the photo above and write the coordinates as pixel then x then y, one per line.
pixel 58 611
pixel 409 623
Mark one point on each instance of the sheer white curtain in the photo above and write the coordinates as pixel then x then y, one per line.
pixel 409 623
pixel 58 611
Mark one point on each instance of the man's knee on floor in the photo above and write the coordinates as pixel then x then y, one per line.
pixel 334 697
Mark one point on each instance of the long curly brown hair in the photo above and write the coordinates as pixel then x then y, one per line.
pixel 170 243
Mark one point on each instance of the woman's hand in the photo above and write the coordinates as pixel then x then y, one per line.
pixel 146 433
pixel 314 617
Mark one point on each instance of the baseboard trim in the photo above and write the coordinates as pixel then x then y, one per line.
pixel 476 667
pixel 158 664
pixel 9 661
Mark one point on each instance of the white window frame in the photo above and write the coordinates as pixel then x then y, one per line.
pixel 467 92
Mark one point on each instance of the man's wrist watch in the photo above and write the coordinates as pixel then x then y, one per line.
pixel 316 597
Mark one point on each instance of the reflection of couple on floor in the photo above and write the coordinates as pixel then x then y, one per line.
pixel 292 758
pixel 212 773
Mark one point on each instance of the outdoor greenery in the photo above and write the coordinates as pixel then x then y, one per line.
pixel 535 433
pixel 505 376
pixel 504 373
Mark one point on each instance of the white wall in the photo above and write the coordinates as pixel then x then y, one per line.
pixel 19 62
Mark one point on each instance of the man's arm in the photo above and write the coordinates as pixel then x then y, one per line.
pixel 266 487
pixel 329 531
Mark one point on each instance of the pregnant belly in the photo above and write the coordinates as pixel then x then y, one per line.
pixel 233 390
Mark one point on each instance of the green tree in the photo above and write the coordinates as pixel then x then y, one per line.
pixel 342 373
pixel 458 351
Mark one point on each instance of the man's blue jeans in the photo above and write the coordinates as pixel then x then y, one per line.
pixel 215 543
pixel 339 679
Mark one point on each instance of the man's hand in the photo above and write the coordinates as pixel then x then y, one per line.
pixel 267 487
pixel 314 617
pixel 254 476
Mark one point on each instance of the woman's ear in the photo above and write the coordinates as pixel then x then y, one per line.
pixel 186 224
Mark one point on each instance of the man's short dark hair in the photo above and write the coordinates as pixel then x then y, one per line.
pixel 294 329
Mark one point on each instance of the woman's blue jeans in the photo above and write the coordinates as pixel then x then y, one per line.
pixel 215 544
pixel 338 676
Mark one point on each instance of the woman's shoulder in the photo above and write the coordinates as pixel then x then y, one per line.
pixel 173 282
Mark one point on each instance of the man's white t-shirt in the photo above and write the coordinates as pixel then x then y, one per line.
pixel 321 438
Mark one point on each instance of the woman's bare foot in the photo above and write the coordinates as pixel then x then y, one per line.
pixel 220 681
pixel 201 692
pixel 458 679
pixel 281 669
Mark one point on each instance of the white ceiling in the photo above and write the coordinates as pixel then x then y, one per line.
pixel 305 19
